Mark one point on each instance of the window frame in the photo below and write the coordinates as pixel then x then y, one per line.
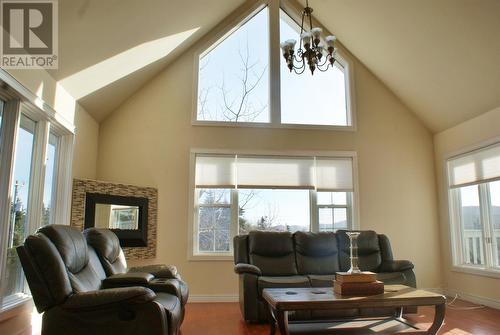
pixel 452 195
pixel 20 101
pixel 192 245
pixel 239 18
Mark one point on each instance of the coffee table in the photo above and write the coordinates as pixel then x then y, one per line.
pixel 283 300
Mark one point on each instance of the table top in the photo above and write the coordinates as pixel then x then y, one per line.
pixel 324 298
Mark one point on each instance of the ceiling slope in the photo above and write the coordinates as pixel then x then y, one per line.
pixel 108 49
pixel 442 58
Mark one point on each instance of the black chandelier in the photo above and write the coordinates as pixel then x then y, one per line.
pixel 315 54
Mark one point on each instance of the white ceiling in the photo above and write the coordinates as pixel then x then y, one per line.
pixel 441 58
pixel 108 49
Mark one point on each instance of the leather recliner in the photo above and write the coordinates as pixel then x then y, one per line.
pixel 165 278
pixel 305 259
pixel 65 277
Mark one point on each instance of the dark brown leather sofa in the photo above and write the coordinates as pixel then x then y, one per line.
pixel 304 259
pixel 70 286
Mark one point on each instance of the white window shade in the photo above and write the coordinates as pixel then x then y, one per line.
pixel 215 171
pixel 334 174
pixel 481 165
pixel 275 172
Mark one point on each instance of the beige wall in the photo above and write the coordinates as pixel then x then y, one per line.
pixel 147 142
pixel 86 143
pixel 448 142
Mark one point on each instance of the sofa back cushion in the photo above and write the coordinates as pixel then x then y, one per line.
pixel 316 253
pixel 107 246
pixel 272 253
pixel 369 255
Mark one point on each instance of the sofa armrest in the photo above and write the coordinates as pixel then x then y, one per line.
pixel 108 297
pixel 127 279
pixel 158 270
pixel 247 268
pixel 396 266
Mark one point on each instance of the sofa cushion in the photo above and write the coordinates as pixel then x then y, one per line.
pixel 392 278
pixel 282 282
pixel 369 255
pixel 316 253
pixel 272 253
pixel 321 280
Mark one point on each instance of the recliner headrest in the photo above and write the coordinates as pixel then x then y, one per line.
pixel 105 242
pixel 272 244
pixel 367 242
pixel 70 243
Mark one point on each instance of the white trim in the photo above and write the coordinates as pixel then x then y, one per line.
pixel 64 180
pixel 212 298
pixel 476 299
pixel 26 95
pixel 477 271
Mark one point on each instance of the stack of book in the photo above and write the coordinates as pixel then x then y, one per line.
pixel 357 284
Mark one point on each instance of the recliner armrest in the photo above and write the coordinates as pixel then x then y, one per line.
pixel 158 270
pixel 106 297
pixel 247 268
pixel 127 279
pixel 396 266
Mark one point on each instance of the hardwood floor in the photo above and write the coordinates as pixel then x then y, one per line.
pixel 225 319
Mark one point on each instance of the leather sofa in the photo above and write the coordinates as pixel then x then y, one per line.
pixel 305 259
pixel 70 286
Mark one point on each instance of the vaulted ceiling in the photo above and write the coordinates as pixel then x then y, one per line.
pixel 441 58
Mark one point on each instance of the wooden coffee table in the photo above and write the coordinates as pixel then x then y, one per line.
pixel 283 300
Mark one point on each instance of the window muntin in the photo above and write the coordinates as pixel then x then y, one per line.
pixel 50 182
pixel 292 203
pixel 318 99
pixel 233 76
pixel 18 224
pixel 474 194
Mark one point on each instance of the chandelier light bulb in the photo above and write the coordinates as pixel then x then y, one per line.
pixel 291 43
pixel 330 40
pixel 316 32
pixel 306 38
pixel 285 46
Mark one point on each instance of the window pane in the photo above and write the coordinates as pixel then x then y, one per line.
pixel 18 227
pixel 332 198
pixel 213 196
pixel 273 210
pixel 310 99
pixel 214 220
pixel 495 219
pixel 332 219
pixel 233 79
pixel 50 180
pixel 472 229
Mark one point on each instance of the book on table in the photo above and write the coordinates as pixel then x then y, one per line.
pixel 361 277
pixel 358 289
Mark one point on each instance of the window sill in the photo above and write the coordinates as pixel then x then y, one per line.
pixel 13 302
pixel 210 257
pixel 269 125
pixel 478 271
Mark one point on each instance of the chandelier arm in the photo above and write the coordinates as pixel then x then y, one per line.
pixel 302 69
pixel 323 69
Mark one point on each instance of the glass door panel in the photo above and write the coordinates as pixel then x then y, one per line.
pixel 50 181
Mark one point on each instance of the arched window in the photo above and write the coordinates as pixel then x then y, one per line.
pixel 241 81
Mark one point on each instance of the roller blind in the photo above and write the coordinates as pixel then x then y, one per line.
pixel 278 172
pixel 482 165
pixel 248 171
pixel 215 171
pixel 334 174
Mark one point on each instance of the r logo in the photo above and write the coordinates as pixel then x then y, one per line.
pixel 27 27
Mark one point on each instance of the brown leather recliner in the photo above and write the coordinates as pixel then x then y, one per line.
pixel 65 277
pixel 165 277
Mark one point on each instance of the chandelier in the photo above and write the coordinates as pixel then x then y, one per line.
pixel 315 54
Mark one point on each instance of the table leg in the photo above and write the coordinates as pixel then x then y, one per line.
pixel 272 320
pixel 439 312
pixel 283 322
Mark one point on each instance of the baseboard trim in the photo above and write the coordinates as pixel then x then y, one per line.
pixel 473 298
pixel 213 298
